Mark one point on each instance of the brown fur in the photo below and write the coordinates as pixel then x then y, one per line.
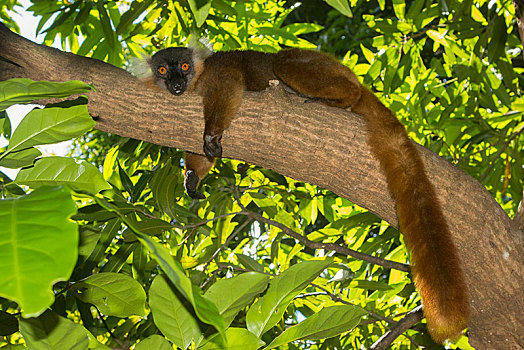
pixel 436 266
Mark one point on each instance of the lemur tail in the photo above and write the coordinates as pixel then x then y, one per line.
pixel 435 263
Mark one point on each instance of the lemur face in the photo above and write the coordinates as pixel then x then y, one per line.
pixel 173 69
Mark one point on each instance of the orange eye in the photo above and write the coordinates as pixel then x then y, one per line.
pixel 185 66
pixel 162 70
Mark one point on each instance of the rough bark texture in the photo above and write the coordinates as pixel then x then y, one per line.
pixel 309 142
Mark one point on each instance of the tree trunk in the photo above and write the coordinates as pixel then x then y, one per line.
pixel 313 143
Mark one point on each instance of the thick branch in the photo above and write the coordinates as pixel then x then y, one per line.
pixel 309 142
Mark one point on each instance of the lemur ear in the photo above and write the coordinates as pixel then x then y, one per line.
pixel 140 67
pixel 201 48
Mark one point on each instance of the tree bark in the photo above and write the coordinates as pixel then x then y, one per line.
pixel 313 143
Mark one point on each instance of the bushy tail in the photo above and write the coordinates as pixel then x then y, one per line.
pixel 435 263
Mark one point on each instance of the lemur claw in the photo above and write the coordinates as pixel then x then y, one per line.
pixel 190 184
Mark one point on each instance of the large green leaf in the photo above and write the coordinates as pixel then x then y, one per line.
pixel 326 323
pixel 50 125
pixel 268 310
pixel 22 90
pixel 170 315
pixel 231 295
pixel 53 332
pixel 154 342
pixel 114 294
pixel 38 246
pixel 237 339
pixel 63 171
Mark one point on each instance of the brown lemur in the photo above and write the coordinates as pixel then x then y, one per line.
pixel 222 77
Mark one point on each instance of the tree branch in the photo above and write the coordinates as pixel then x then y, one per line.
pixel 313 143
pixel 411 318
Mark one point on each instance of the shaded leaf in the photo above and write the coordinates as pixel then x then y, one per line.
pixel 8 324
pixel 51 332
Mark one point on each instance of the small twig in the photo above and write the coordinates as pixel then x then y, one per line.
pixel 336 298
pixel 320 245
pixel 411 318
pixel 101 317
pixel 331 246
pixel 187 237
pixel 222 247
pixel 185 227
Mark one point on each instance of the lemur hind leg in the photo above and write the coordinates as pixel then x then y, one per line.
pixel 318 76
pixel 197 167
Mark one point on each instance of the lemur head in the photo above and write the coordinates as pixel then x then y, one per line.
pixel 175 68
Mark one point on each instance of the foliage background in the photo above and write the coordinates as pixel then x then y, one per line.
pixel 452 72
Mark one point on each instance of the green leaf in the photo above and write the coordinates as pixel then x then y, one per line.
pixel 50 125
pixel 22 90
pixel 231 295
pixel 237 338
pixel 63 171
pixel 5 125
pixel 200 13
pixel 38 246
pixel 170 314
pixel 19 159
pixel 51 332
pixel 268 310
pixel 154 342
pixel 250 263
pixel 114 294
pixel 341 6
pixel 124 178
pixel 399 6
pixel 326 323
pixel 135 9
pixel 106 24
pixel 164 184
pixel 497 42
pixel 88 242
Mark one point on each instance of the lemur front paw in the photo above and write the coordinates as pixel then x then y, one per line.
pixel 213 146
pixel 191 183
